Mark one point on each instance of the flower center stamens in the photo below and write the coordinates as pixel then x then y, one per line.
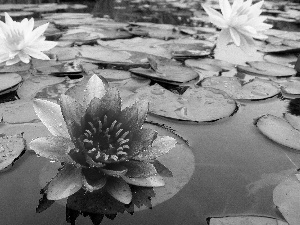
pixel 106 142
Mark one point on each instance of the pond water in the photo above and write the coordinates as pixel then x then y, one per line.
pixel 230 168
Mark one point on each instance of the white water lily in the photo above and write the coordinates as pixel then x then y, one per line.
pixel 240 22
pixel 19 42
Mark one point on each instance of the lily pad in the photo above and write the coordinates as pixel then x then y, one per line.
pixel 279 130
pixel 284 59
pixel 291 88
pixel 208 64
pixel 259 68
pixel 257 89
pixel 167 73
pixel 9 82
pixel 196 104
pixel 249 220
pixel 33 85
pixel 286 197
pixel 11 148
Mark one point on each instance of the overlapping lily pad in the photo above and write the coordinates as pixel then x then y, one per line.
pixel 280 130
pixel 259 68
pixel 10 148
pixel 166 71
pixel 9 82
pixel 256 89
pixel 196 104
pixel 209 64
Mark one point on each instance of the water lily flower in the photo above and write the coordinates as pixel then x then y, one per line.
pixel 101 146
pixel 19 42
pixel 240 22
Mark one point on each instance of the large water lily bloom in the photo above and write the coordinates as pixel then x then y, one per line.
pixel 100 145
pixel 19 41
pixel 240 22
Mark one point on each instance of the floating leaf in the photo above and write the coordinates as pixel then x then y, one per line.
pixel 167 73
pixel 196 104
pixel 11 148
pixel 259 68
pixel 209 64
pixel 291 88
pixel 247 220
pixel 9 82
pixel 256 89
pixel 279 130
pixel 34 84
pixel 286 197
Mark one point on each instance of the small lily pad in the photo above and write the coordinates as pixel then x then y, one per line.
pixel 279 130
pixel 249 220
pixel 259 68
pixel 10 149
pixel 256 89
pixel 196 104
pixel 9 82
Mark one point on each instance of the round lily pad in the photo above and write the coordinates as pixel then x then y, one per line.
pixel 259 68
pixel 9 82
pixel 256 89
pixel 177 168
pixel 10 148
pixel 279 130
pixel 196 104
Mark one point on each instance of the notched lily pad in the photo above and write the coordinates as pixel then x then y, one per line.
pixel 257 89
pixel 279 130
pixel 11 147
pixel 259 68
pixel 196 104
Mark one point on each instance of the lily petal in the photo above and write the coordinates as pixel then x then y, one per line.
pixel 35 53
pixel 8 19
pixel 15 60
pixel 235 36
pixel 119 189
pixel 138 169
pixel 54 148
pixel 37 32
pixel 95 89
pixel 72 112
pixel 93 179
pixel 43 45
pixel 153 181
pixel 225 8
pixel 140 140
pixel 215 17
pixel 67 182
pixel 51 116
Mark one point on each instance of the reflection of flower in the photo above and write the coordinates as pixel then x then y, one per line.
pixel 240 22
pixel 19 41
pixel 101 146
